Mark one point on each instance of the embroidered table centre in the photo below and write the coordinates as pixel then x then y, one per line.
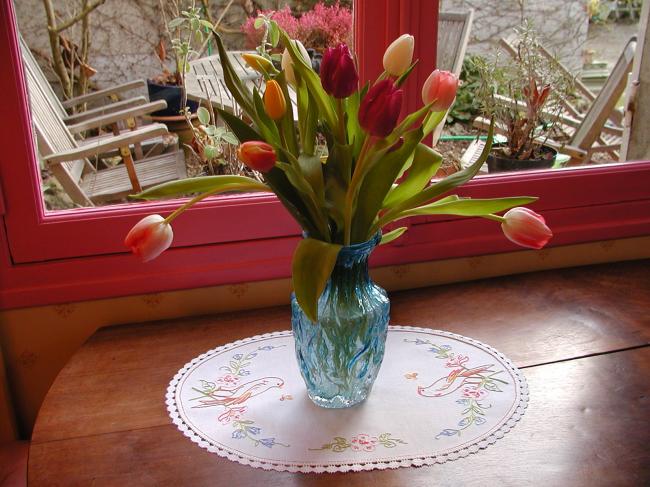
pixel 438 397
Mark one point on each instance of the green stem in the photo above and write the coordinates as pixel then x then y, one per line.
pixel 496 218
pixel 349 196
pixel 220 189
pixel 343 138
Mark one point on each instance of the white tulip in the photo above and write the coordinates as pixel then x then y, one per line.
pixel 399 55
pixel 287 62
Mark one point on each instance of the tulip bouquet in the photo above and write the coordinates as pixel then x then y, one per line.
pixel 347 166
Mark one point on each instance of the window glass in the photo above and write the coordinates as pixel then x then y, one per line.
pixel 122 42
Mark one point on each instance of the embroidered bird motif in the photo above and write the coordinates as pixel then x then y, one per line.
pixel 456 379
pixel 235 396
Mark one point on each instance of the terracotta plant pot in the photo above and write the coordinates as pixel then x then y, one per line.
pixel 498 162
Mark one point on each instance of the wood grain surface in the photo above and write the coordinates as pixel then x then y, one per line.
pixel 580 334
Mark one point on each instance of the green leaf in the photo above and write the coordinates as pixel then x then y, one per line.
pixel 274 34
pixel 204 115
pixel 241 129
pixel 405 74
pixel 312 170
pixel 377 183
pixel 237 89
pixel 469 206
pixel 313 262
pixel 230 138
pixel 426 162
pixel 311 79
pixel 177 22
pixel 204 184
pixel 210 151
pixel 392 235
pixel 443 186
pixel 259 22
pixel 431 122
pixel 206 24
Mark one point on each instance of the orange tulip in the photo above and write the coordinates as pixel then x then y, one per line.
pixel 150 237
pixel 257 155
pixel 275 104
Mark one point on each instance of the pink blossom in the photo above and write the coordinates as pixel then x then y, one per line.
pixel 228 379
pixel 150 237
pixel 363 442
pixel 457 361
pixel 474 392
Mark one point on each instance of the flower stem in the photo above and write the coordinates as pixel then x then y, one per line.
pixel 496 218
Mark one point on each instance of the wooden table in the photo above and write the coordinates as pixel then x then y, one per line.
pixel 581 335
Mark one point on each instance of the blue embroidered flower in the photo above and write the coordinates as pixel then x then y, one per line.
pixel 244 372
pixel 479 420
pixel 268 442
pixel 238 434
pixel 254 430
pixel 446 347
pixel 238 356
pixel 266 348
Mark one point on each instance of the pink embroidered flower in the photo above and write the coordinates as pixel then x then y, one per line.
pixel 363 442
pixel 228 379
pixel 474 392
pixel 457 361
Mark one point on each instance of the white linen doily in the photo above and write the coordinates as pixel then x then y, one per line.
pixel 438 397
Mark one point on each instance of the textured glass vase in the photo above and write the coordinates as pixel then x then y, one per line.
pixel 339 357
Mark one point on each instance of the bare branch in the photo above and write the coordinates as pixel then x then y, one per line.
pixel 81 15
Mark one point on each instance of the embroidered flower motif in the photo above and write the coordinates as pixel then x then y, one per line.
pixel 228 379
pixel 457 361
pixel 363 442
pixel 231 414
pixel 268 442
pixel 474 392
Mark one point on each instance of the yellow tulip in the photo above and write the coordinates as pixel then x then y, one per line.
pixel 275 104
pixel 399 55
pixel 258 63
pixel 287 62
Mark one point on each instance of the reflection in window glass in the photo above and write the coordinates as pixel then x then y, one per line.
pixel 117 139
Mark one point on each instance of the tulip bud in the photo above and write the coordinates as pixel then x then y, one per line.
pixel 149 237
pixel 258 63
pixel 338 74
pixel 257 155
pixel 399 55
pixel 380 108
pixel 275 104
pixel 526 228
pixel 287 62
pixel 440 87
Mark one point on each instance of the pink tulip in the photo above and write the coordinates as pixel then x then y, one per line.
pixel 440 87
pixel 526 228
pixel 150 237
pixel 380 108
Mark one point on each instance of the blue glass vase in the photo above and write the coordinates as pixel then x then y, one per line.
pixel 339 357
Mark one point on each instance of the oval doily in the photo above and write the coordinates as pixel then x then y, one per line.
pixel 438 397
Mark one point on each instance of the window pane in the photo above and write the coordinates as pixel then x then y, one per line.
pixel 584 55
pixel 123 42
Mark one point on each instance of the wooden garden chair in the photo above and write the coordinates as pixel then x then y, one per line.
pixel 109 103
pixel 591 133
pixel 69 160
pixel 454 29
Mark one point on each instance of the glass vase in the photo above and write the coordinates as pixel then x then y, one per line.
pixel 340 355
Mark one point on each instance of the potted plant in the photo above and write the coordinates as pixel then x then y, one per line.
pixel 187 35
pixel 522 95
pixel 336 169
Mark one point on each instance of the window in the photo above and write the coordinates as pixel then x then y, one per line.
pixel 74 255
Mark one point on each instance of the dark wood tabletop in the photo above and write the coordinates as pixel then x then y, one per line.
pixel 581 336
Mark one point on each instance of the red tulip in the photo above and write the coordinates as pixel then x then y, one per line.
pixel 338 74
pixel 526 228
pixel 150 237
pixel 257 155
pixel 440 87
pixel 380 108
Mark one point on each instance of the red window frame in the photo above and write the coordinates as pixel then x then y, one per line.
pixel 50 257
